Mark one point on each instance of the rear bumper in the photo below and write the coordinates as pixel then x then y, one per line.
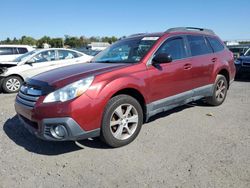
pixel 44 129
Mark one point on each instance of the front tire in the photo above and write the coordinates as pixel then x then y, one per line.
pixel 12 84
pixel 219 92
pixel 122 121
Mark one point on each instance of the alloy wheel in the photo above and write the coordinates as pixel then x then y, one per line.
pixel 220 90
pixel 124 121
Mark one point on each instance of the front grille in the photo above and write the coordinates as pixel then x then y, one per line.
pixel 47 130
pixel 28 96
pixel 246 64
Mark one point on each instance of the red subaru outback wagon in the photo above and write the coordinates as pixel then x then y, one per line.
pixel 123 86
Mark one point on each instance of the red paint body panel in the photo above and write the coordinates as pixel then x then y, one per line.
pixel 153 83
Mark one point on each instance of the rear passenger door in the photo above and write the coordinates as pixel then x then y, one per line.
pixel 202 63
pixel 22 50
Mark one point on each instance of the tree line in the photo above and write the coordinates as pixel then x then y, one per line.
pixel 72 42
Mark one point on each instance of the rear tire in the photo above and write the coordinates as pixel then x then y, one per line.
pixel 12 84
pixel 122 121
pixel 219 91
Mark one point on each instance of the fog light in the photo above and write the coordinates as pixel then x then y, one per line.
pixel 58 131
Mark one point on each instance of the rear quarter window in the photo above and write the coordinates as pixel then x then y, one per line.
pixel 22 50
pixel 216 44
pixel 198 45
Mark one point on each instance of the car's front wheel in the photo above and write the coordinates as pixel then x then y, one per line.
pixel 12 84
pixel 122 121
pixel 219 92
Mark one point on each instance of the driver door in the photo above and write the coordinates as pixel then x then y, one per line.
pixel 171 83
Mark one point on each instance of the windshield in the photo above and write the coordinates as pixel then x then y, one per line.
pixel 126 51
pixel 247 52
pixel 24 56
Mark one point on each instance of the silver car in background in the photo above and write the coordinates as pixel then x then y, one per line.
pixel 12 74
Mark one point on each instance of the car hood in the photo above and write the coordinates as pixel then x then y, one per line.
pixel 65 75
pixel 5 65
pixel 8 64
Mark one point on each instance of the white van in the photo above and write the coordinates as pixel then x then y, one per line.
pixel 11 52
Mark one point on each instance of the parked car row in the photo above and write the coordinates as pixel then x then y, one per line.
pixel 13 74
pixel 124 85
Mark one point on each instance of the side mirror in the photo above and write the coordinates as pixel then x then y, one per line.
pixel 30 62
pixel 162 58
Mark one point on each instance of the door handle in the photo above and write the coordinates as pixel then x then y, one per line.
pixel 187 66
pixel 214 59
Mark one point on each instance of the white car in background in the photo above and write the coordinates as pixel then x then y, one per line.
pixel 11 52
pixel 12 74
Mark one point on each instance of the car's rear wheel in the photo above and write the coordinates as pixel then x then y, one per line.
pixel 12 84
pixel 219 92
pixel 122 121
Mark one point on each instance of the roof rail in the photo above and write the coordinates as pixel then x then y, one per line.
pixel 186 29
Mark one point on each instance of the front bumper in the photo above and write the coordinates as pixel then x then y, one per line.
pixel 78 119
pixel 44 130
pixel 1 82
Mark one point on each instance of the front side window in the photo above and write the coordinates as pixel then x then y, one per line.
pixel 174 47
pixel 198 45
pixel 6 51
pixel 216 44
pixel 126 51
pixel 45 56
pixel 25 56
pixel 65 54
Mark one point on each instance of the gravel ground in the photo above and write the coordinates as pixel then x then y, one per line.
pixel 191 146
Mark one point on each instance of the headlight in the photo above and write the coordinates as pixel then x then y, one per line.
pixel 3 70
pixel 70 91
pixel 237 62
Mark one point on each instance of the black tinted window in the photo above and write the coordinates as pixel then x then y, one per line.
pixel 174 47
pixel 22 50
pixel 6 51
pixel 216 44
pixel 198 45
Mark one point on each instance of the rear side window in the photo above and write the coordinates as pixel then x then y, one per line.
pixel 174 47
pixel 216 44
pixel 198 45
pixel 65 54
pixel 6 51
pixel 22 50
